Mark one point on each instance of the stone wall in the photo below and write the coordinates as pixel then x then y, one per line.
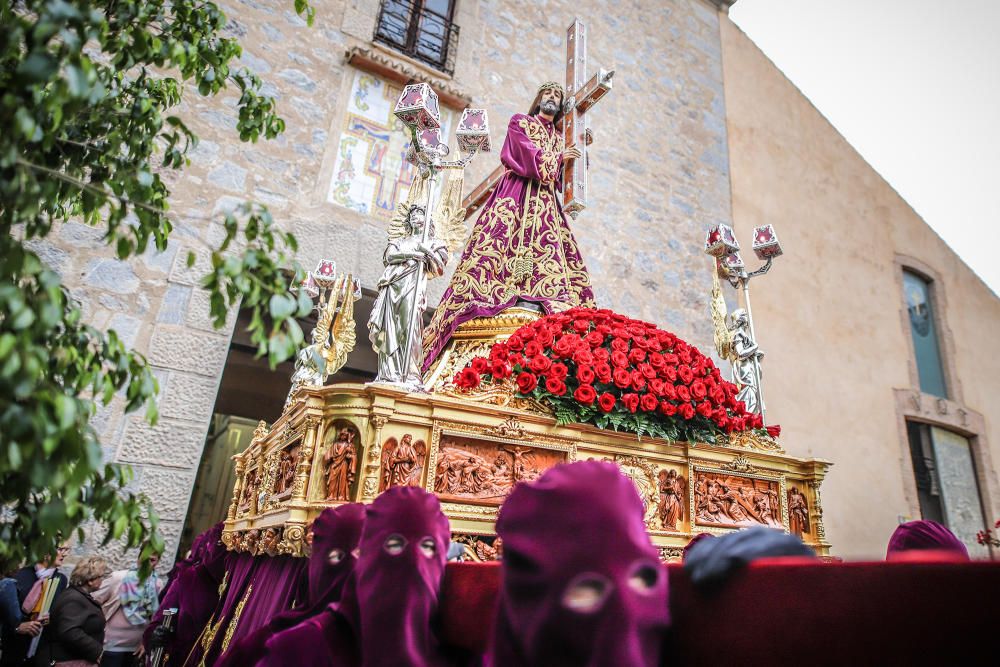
pixel 839 372
pixel 659 177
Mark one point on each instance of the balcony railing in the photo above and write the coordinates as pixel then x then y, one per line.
pixel 419 33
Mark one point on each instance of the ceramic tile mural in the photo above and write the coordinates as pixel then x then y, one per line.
pixel 371 175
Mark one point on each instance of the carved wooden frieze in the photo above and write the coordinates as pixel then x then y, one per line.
pixel 725 498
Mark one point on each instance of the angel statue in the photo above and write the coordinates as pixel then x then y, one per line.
pixel 734 342
pixel 412 256
pixel 332 339
pixel 402 462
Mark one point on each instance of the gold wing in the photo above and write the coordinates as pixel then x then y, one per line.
pixel 723 337
pixel 416 195
pixel 449 218
pixel 343 335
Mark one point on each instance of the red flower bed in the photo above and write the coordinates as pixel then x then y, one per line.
pixel 598 367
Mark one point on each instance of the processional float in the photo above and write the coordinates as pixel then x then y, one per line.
pixel 468 430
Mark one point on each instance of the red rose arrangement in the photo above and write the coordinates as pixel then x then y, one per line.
pixel 599 367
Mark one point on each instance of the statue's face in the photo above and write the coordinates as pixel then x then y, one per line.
pixel 550 102
pixel 415 219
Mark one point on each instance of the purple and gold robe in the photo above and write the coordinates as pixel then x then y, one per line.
pixel 521 248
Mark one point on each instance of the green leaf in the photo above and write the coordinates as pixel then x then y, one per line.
pixel 38 67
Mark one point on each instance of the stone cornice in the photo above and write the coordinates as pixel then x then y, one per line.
pixel 401 69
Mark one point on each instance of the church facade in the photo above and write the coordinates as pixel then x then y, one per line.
pixel 700 129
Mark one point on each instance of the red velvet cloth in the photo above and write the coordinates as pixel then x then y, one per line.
pixel 930 612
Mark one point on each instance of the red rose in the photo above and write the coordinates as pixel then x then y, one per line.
pixel 606 402
pixel 554 386
pixel 621 333
pixel 669 373
pixel 622 378
pixel 585 394
pixel 668 408
pixel 601 354
pixel 705 409
pixel 631 401
pixel 526 333
pixel 501 370
pixel 657 361
pixel 647 371
pixel 717 395
pixel 581 326
pixel 619 345
pixel 558 371
pixel 637 355
pixel 595 339
pixel 467 379
pixel 585 374
pixel 698 390
pixel 758 421
pixel 480 365
pixel 583 356
pixel 603 372
pixel 685 411
pixel 685 373
pixel 656 386
pixel 603 328
pixel 684 356
pixel 638 381
pixel 539 363
pixel 619 359
pixel 532 349
pixel 565 345
pixel 526 382
pixel 669 391
pixel 774 430
pixel 516 359
pixel 671 359
pixel 544 337
pixel 683 393
pixel 515 342
pixel 648 402
pixel 499 351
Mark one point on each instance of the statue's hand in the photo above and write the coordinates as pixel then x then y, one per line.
pixel 571 153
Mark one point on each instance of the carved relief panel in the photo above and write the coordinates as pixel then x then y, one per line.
pixel 722 498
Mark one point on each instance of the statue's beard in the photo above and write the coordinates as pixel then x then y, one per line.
pixel 549 107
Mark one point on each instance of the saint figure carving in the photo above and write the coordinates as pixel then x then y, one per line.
pixel 397 314
pixel 340 461
pixel 672 488
pixel 521 248
pixel 286 470
pixel 798 512
pixel 402 462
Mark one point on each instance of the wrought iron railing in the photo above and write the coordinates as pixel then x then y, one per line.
pixel 412 29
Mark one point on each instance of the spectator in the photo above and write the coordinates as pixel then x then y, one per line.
pixel 128 605
pixel 77 624
pixel 923 537
pixel 11 616
pixel 17 637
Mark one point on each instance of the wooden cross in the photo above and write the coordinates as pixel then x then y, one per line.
pixel 581 95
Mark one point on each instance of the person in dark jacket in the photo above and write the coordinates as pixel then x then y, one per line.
pixel 76 629
pixel 16 640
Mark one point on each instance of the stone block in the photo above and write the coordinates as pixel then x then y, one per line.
pixel 182 349
pixel 170 443
pixel 174 304
pixel 199 315
pixel 191 275
pixel 229 176
pixel 298 78
pixel 168 488
pixel 126 327
pixel 189 397
pixel 111 275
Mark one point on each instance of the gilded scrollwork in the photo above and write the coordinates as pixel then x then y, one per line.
pixel 671 554
pixel 751 440
pixel 740 464
pixel 293 540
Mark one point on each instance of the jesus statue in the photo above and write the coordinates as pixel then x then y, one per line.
pixel 521 250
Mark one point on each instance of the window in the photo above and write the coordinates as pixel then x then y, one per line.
pixel 421 29
pixel 916 291
pixel 946 481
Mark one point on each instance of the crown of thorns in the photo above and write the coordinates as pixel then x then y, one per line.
pixel 551 85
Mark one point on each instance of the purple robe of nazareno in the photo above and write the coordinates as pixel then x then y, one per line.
pixel 389 611
pixel 582 583
pixel 521 247
pixel 334 529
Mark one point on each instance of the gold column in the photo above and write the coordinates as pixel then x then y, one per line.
pixel 304 465
pixel 373 460
pixel 240 465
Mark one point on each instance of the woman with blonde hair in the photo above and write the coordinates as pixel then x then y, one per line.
pixel 77 625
